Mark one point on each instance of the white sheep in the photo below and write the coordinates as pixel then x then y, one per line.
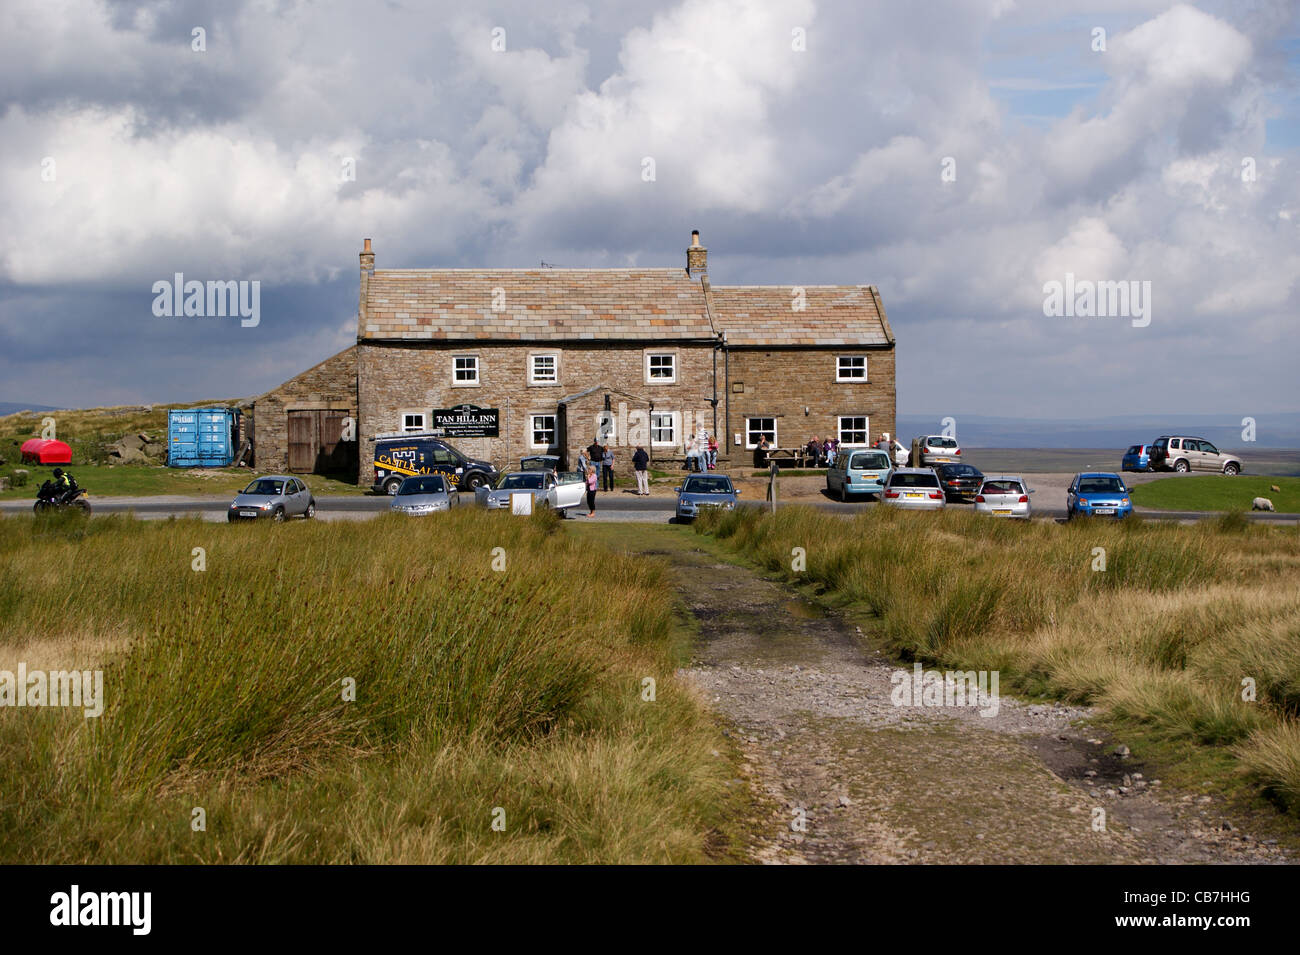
pixel 1261 504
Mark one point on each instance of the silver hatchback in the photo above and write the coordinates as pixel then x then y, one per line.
pixel 277 496
pixel 916 488
pixel 1004 495
pixel 425 494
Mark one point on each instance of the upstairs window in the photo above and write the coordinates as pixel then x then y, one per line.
pixel 661 368
pixel 543 369
pixel 850 367
pixel 465 370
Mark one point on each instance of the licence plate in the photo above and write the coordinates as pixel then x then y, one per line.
pixel 1001 510
pixel 1103 510
pixel 911 495
pixel 248 513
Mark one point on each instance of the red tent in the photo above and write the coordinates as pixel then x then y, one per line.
pixel 44 451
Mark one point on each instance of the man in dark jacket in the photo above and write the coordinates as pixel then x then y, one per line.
pixel 596 455
pixel 641 464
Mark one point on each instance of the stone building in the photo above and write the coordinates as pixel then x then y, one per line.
pixel 551 357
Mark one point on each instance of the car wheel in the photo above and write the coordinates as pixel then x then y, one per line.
pixel 1231 470
pixel 844 494
pixel 311 510
pixel 230 518
pixel 391 486
pixel 475 481
pixel 278 516
pixel 1182 467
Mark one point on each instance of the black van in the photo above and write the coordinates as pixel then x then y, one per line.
pixel 399 457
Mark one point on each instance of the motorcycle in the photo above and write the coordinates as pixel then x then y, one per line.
pixel 52 497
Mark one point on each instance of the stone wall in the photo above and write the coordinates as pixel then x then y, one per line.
pixel 331 386
pixel 400 378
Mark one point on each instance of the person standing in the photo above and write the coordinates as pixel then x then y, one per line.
pixel 583 461
pixel 641 464
pixel 593 482
pixel 692 455
pixel 607 471
pixel 713 452
pixel 596 455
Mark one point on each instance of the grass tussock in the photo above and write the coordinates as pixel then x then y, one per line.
pixel 1173 634
pixel 476 690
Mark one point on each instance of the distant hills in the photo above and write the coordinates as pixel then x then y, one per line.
pixel 1114 432
pixel 13 407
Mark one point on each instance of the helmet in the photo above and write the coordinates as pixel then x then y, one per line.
pixel 58 472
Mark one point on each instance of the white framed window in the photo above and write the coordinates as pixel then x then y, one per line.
pixel 855 429
pixel 544 369
pixel 464 370
pixel 758 428
pixel 413 421
pixel 661 368
pixel 850 367
pixel 663 428
pixel 542 427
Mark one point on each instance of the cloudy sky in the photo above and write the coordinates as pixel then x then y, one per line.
pixel 959 154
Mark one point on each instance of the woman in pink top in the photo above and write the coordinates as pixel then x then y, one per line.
pixel 592 481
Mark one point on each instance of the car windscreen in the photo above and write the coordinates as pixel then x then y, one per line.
pixel 870 461
pixel 431 484
pixel 266 487
pixel 913 480
pixel 520 482
pixel 1100 485
pixel 938 441
pixel 707 485
pixel 958 470
pixel 1136 449
pixel 1002 487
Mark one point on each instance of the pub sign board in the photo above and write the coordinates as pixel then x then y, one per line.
pixel 467 421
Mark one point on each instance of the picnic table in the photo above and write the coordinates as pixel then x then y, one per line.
pixel 799 457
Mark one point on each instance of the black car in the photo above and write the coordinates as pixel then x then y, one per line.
pixel 959 481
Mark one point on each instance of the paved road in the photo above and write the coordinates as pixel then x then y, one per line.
pixel 609 507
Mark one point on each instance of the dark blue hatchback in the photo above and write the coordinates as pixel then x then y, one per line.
pixel 1137 458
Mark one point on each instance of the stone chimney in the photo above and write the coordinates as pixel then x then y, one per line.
pixel 697 257
pixel 367 269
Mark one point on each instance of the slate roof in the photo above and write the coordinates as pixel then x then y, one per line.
pixel 832 315
pixel 550 305
pixel 540 304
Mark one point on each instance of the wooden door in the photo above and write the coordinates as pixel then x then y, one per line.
pixel 303 440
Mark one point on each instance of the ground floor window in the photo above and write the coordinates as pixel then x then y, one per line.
pixel 758 428
pixel 854 429
pixel 663 429
pixel 543 429
pixel 413 420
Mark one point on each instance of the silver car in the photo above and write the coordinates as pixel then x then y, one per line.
pixel 1004 495
pixel 559 490
pixel 277 496
pixel 425 494
pixel 916 488
pixel 939 449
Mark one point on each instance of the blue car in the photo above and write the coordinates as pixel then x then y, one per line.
pixel 1136 458
pixel 1097 493
pixel 703 491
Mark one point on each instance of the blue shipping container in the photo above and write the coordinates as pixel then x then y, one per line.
pixel 202 437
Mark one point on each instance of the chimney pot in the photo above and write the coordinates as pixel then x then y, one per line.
pixel 697 257
pixel 366 247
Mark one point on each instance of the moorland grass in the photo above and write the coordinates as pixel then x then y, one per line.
pixel 1163 637
pixel 517 692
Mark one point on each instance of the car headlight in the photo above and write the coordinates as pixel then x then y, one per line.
pixel 1124 503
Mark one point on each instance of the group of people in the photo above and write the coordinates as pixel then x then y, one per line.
pixel 822 453
pixel 702 453
pixel 596 463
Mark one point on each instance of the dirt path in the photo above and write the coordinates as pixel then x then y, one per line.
pixel 850 777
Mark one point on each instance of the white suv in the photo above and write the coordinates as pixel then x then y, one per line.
pixel 1183 454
